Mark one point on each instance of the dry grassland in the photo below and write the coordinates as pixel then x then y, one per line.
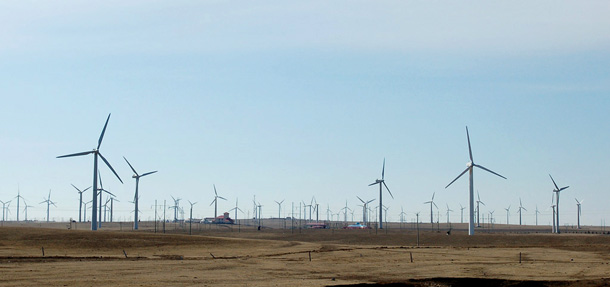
pixel 281 257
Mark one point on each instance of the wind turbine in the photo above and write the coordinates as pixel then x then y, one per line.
pixel 96 152
pixel 448 210
pixel 4 207
pixel 578 203
pixel 381 183
pixel 345 209
pixel 136 196
pixel 364 209
pixel 279 208
pixel 402 215
pixel 537 212
pixel 470 168
pixel 48 202
pixel 431 211
pixel 215 201
pixel 507 213
pixel 18 197
pixel 191 217
pixel 85 213
pixel 80 193
pixel 236 208
pixel 101 190
pixel 25 209
pixel 462 213
pixel 557 190
pixel 519 210
pixel 478 210
pixel 176 207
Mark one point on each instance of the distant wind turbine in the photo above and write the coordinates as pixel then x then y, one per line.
pixel 191 217
pixel 557 190
pixel 48 202
pixel 96 153
pixel 364 209
pixel 279 208
pixel 448 210
pixel 5 205
pixel 136 196
pixel 520 209
pixel 18 197
pixel 215 201
pixel 578 211
pixel 462 213
pixel 236 208
pixel 470 167
pixel 478 210
pixel 80 205
pixel 381 183
pixel 507 213
pixel 431 202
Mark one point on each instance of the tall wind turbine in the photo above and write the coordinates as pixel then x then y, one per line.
pixel 136 196
pixel 557 190
pixel 578 203
pixel 18 197
pixel 478 210
pixel 236 208
pixel 96 153
pixel 507 213
pixel 215 201
pixel 470 168
pixel 381 183
pixel 279 208
pixel 80 205
pixel 520 208
pixel 431 202
pixel 48 202
pixel 25 209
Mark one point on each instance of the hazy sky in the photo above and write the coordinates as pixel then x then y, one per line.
pixel 287 100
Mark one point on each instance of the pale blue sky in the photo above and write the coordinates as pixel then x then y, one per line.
pixel 289 101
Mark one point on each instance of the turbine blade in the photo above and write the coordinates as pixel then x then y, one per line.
pixel 563 188
pixel 79 191
pixel 134 171
pixel 373 183
pixel 482 167
pixel 386 187
pixel 86 189
pixel 383 169
pixel 99 142
pixel 108 164
pixel 148 173
pixel 213 201
pixel 360 199
pixel 215 190
pixel 76 154
pixel 469 148
pixel 222 198
pixel 463 172
pixel 556 187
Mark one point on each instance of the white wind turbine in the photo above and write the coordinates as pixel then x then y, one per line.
pixel 462 213
pixel 136 195
pixel 470 167
pixel 578 210
pixel 448 210
pixel 80 193
pixel 96 152
pixel 431 202
pixel 520 209
pixel 215 201
pixel 236 208
pixel 364 209
pixel 48 202
pixel 557 190
pixel 381 183
pixel 478 210
pixel 279 208
pixel 507 213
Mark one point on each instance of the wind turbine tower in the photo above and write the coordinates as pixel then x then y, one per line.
pixel 96 152
pixel 478 210
pixel 48 202
pixel 578 203
pixel 279 208
pixel 470 168
pixel 381 183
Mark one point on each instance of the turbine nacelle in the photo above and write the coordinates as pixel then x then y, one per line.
pixel 470 164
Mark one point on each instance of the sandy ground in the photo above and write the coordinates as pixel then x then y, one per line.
pixel 284 257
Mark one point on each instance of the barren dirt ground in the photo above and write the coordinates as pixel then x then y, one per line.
pixel 281 257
